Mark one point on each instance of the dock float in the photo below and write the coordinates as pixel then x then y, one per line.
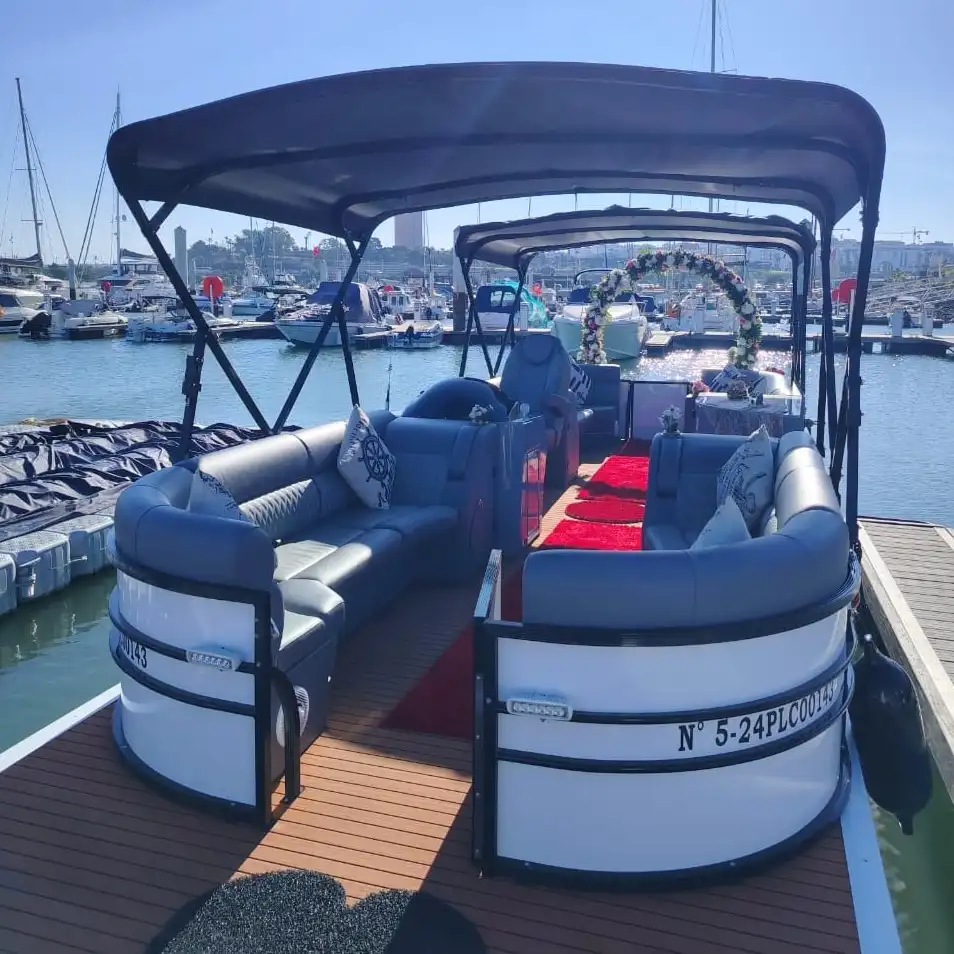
pixel 907 574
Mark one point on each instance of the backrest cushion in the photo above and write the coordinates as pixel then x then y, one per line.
pixel 537 367
pixel 725 526
pixel 749 477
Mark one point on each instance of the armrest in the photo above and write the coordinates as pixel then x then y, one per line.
pixel 561 405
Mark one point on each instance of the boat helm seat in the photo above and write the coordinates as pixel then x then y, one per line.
pixel 537 373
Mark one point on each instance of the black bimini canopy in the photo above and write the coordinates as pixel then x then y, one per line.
pixel 514 244
pixel 341 154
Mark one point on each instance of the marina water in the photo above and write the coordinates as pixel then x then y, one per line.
pixel 54 655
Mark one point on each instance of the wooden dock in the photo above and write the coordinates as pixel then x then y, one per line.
pixel 908 581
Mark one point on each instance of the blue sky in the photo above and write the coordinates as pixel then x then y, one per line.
pixel 72 55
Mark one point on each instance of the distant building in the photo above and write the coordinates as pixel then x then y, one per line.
pixel 409 230
pixel 181 252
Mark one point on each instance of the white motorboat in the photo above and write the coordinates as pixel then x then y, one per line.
pixel 699 313
pixel 173 325
pixel 82 319
pixel 416 335
pixel 18 305
pixel 363 314
pixel 623 335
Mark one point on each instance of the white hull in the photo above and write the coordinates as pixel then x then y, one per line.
pixel 623 337
pixel 426 335
pixel 300 331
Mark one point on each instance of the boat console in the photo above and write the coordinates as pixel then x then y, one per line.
pixel 670 714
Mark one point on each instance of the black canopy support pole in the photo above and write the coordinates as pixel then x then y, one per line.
pixel 357 254
pixel 202 327
pixel 803 320
pixel 473 321
pixel 191 385
pixel 160 216
pixel 465 271
pixel 510 331
pixel 829 335
pixel 794 324
pixel 336 313
pixel 852 410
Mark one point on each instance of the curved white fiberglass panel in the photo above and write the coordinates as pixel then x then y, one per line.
pixel 179 655
pixel 747 735
pixel 635 823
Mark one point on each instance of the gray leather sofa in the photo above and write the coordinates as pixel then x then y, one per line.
pixel 801 550
pixel 327 562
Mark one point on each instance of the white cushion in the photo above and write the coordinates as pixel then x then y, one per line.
pixel 748 476
pixel 579 383
pixel 209 495
pixel 366 465
pixel 726 525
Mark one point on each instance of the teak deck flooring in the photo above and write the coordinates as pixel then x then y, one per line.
pixel 92 860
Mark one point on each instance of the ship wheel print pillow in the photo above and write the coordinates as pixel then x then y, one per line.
pixel 366 465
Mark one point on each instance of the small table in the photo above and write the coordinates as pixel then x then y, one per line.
pixel 717 414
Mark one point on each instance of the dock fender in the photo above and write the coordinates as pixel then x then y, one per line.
pixel 889 733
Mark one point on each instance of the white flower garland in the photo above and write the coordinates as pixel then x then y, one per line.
pixel 743 354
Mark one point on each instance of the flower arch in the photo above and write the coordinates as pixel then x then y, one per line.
pixel 745 351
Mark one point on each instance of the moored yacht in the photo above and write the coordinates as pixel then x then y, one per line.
pixel 363 314
pixel 624 334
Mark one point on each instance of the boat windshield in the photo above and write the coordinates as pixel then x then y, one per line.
pixel 495 298
pixel 581 296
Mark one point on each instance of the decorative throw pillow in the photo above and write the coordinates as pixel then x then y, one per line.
pixel 579 383
pixel 210 496
pixel 748 476
pixel 366 465
pixel 726 525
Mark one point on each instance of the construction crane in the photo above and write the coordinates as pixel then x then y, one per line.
pixel 915 234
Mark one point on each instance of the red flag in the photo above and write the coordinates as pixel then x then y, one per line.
pixel 316 251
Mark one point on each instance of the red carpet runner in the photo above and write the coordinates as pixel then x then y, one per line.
pixel 607 511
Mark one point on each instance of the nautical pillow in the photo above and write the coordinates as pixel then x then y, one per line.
pixel 748 476
pixel 726 525
pixel 210 496
pixel 366 465
pixel 579 383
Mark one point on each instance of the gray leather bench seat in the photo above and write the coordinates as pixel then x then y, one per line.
pixel 682 486
pixel 599 416
pixel 309 609
pixel 327 562
pixel 358 549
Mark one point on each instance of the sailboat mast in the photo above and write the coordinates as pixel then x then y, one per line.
pixel 117 122
pixel 29 166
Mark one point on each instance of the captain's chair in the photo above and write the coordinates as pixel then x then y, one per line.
pixel 537 373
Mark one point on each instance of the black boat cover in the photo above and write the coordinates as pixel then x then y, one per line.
pixel 341 154
pixel 514 244
pixel 47 477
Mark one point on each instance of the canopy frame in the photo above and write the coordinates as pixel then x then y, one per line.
pixel 787 142
pixel 566 230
